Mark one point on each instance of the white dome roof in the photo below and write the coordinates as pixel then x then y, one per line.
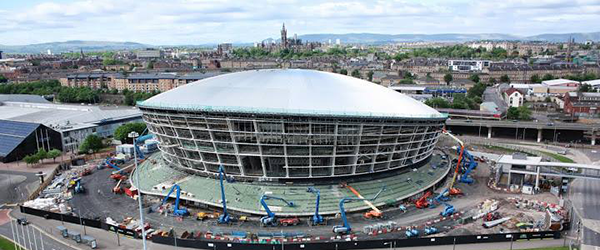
pixel 292 91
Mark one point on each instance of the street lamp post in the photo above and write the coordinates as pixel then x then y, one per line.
pixel 133 135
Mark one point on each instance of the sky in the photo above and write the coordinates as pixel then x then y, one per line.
pixel 187 22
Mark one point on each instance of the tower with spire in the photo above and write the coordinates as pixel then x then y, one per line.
pixel 284 40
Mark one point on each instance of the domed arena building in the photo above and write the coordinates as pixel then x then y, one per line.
pixel 278 131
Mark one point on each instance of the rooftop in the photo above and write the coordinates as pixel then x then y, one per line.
pixel 63 116
pixel 558 82
pixel 292 91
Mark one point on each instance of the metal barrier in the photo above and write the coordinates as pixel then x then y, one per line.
pixel 367 244
pixel 77 220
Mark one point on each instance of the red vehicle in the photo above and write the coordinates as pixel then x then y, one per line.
pixel 422 202
pixel 289 221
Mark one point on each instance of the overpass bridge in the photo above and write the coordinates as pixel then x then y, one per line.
pixel 528 129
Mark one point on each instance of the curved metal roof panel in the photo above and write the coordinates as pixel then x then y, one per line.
pixel 292 91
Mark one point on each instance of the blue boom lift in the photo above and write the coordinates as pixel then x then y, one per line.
pixel 224 218
pixel 345 228
pixel 468 165
pixel 317 218
pixel 448 210
pixel 176 210
pixel 269 220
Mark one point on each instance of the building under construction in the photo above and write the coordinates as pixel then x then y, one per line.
pixel 294 127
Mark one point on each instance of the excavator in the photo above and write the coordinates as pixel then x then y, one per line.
pixel 269 220
pixel 345 228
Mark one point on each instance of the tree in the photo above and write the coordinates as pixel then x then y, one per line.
pixel 344 72
pixel 42 154
pixel 53 154
pixel 448 78
pixel 3 79
pixel 355 73
pixel 586 88
pixel 476 90
pixel 474 78
pixel 122 132
pixel 524 113
pixel 31 159
pixel 535 79
pixel 504 78
pixel 437 102
pixel 493 80
pixel 91 143
pixel 512 113
pixel 370 75
pixel 547 77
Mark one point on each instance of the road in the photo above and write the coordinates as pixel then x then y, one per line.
pixel 28 236
pixel 492 94
pixel 16 185
pixel 524 124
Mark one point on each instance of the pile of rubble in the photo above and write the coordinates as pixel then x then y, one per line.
pixel 55 196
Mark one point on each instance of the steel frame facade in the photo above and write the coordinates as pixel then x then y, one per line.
pixel 268 147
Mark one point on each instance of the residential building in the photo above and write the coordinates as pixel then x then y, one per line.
pixel 149 54
pixel 468 65
pixel 513 97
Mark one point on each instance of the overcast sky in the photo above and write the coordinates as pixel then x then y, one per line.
pixel 176 22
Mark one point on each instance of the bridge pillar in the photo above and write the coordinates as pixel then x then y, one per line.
pixel 537 179
pixel 593 138
pixel 539 138
pixel 489 132
pixel 508 180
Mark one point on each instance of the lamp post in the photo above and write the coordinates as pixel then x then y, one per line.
pixel 133 135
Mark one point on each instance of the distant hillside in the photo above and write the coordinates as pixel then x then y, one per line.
pixel 370 38
pixel 68 46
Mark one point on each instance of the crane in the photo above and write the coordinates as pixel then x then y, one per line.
pixel 317 218
pixel 141 139
pixel 110 164
pixel 422 202
pixel 345 228
pixel 469 164
pixel 176 210
pixel 269 220
pixel 224 218
pixel 374 213
pixel 451 189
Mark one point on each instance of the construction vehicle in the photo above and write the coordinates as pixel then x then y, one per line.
pixel 201 216
pixel 491 216
pixel 452 190
pixel 430 230
pixel 269 220
pixel 440 198
pixel 411 232
pixel 176 210
pixel 422 202
pixel 78 187
pixel 490 224
pixel 117 189
pixel 468 164
pixel 448 210
pixel 374 213
pixel 317 218
pixel 345 228
pixel 224 218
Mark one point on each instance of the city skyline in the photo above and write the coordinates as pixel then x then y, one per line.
pixel 204 22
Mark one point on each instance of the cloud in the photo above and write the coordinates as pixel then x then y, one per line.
pixel 210 21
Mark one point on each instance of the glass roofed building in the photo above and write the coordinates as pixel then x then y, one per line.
pixel 285 124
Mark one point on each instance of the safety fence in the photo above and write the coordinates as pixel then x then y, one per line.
pixel 78 220
pixel 363 244
pixel 300 244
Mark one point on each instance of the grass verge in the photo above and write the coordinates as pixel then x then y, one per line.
pixel 6 244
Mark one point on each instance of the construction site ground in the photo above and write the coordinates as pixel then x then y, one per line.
pixel 100 202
